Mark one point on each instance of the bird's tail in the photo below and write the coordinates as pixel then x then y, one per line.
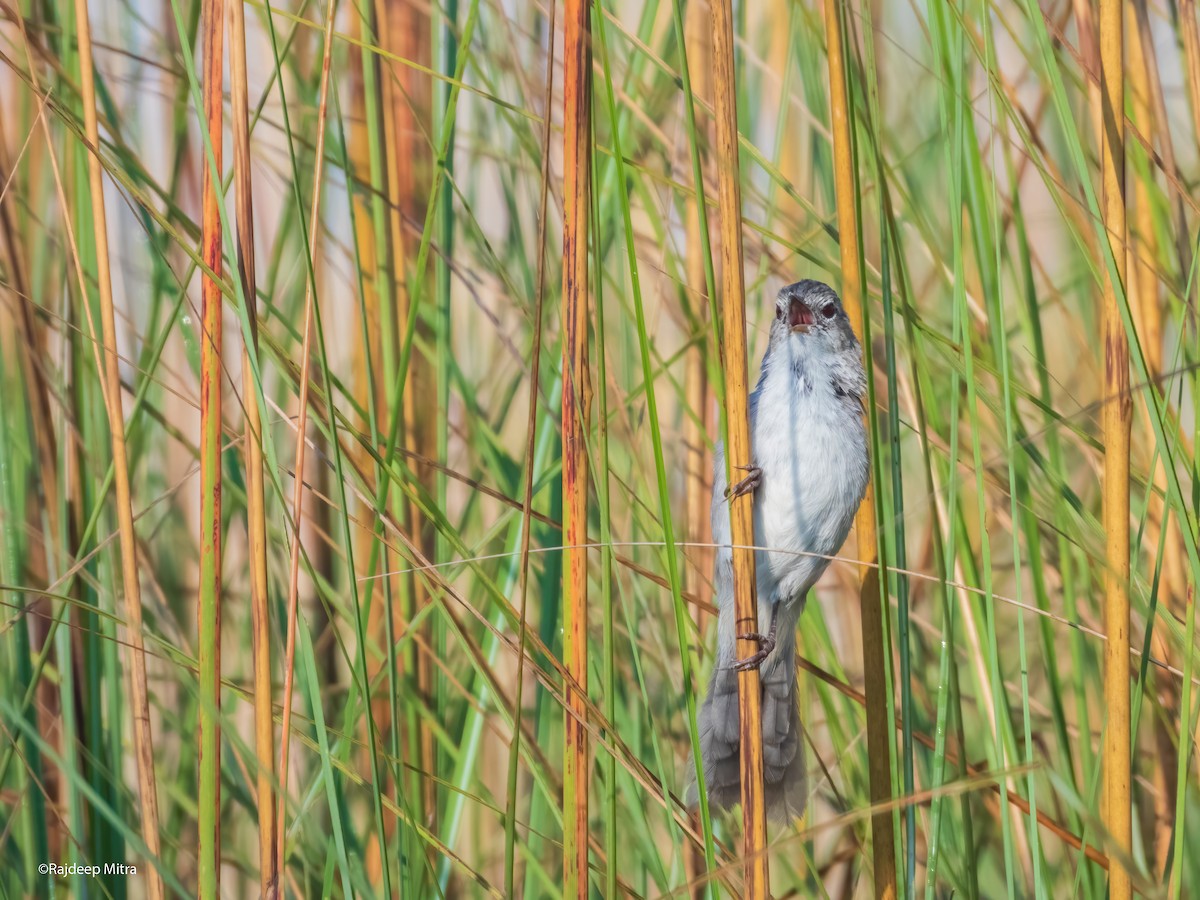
pixel 782 742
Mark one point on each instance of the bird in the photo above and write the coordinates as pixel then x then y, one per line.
pixel 809 470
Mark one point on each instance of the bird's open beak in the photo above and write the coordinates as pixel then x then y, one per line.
pixel 800 317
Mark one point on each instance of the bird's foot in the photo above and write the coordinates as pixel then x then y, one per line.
pixel 766 643
pixel 747 485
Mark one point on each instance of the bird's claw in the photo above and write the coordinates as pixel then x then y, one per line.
pixel 766 643
pixel 748 484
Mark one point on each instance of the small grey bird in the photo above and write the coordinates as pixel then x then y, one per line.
pixel 808 475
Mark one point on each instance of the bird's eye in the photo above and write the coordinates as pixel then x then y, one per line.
pixel 828 310
pixel 779 313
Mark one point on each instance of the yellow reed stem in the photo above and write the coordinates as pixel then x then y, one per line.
pixel 256 520
pixel 1116 418
pixel 1143 296
pixel 737 447
pixel 1191 56
pixel 879 736
pixel 135 661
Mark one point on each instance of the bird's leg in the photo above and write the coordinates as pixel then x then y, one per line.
pixel 766 643
pixel 752 480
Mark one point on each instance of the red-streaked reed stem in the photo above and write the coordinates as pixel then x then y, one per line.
pixel 576 396
pixel 209 605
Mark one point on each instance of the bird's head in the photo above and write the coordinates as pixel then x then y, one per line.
pixel 809 318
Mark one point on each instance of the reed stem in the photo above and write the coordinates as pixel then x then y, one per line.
pixel 209 607
pixel 136 653
pixel 576 403
pixel 737 447
pixel 875 650
pixel 1116 418
pixel 256 517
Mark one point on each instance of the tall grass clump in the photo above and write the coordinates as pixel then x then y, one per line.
pixel 358 396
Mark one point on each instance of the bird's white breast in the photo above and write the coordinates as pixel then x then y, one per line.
pixel 810 443
pixel 809 440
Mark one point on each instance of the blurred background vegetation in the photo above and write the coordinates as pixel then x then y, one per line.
pixel 399 151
